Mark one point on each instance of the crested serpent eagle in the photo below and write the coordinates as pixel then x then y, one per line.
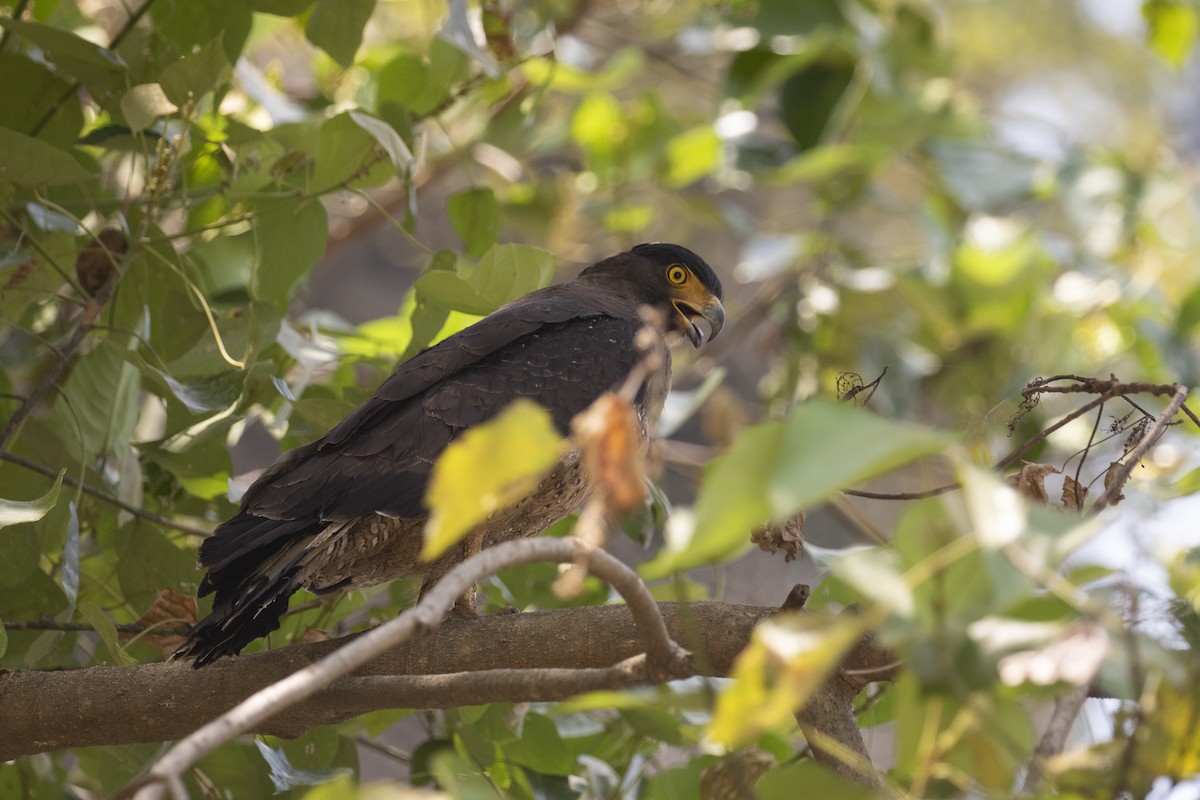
pixel 346 511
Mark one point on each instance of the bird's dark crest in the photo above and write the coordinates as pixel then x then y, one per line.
pixel 666 253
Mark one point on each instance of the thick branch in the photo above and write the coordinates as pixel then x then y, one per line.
pixel 1066 709
pixel 665 658
pixel 156 702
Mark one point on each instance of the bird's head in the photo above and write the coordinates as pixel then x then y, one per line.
pixel 674 280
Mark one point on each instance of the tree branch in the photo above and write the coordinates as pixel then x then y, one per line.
pixel 1135 456
pixel 100 494
pixel 464 663
pixel 664 658
pixel 1066 708
pixel 49 710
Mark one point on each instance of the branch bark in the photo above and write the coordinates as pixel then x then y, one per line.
pixel 157 702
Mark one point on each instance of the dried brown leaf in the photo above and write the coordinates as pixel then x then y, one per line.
pixel 1074 494
pixel 314 635
pixel 607 433
pixel 786 536
pixel 1111 476
pixel 94 264
pixel 1031 481
pixel 169 610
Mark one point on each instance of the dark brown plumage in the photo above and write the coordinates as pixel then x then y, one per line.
pixel 347 510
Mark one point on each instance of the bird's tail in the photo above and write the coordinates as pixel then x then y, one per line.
pixel 254 566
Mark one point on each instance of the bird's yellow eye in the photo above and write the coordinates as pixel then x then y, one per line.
pixel 676 274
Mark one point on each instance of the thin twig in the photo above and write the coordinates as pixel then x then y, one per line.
pixel 1083 457
pixel 54 372
pixel 383 749
pixel 17 13
pixel 1066 708
pixel 665 658
pixel 1023 448
pixel 1190 414
pixel 100 494
pixel 125 627
pixel 1135 456
pixel 1107 389
pixel 921 495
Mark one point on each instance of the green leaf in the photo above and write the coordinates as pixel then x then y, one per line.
pixel 1173 27
pixel 809 99
pixel 291 240
pixel 781 782
pixel 787 17
pixel 213 393
pixel 655 723
pixel 336 26
pixel 342 153
pixel 460 778
pixel 457 31
pixel 475 216
pixel 787 660
pixel 15 512
pixel 388 138
pixel 90 63
pixel 599 126
pixel 143 104
pixel 506 272
pixel 31 91
pixel 1189 312
pixel 95 616
pixel 32 162
pixel 97 409
pixel 541 748
pixel 148 562
pixel 287 775
pixel 488 468
pixel 877 575
pixel 281 8
pixel 829 446
pixel 195 74
pixel 778 468
pixel 193 25
pixel 69 571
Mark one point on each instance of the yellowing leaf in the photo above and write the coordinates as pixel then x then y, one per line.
pixel 692 155
pixel 1173 28
pixel 599 125
pixel 787 660
pixel 1173 748
pixel 486 469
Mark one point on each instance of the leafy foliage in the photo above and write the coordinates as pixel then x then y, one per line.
pixel 172 173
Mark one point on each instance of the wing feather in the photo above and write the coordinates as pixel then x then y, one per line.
pixel 379 458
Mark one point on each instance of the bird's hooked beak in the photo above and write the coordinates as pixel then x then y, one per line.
pixel 713 313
